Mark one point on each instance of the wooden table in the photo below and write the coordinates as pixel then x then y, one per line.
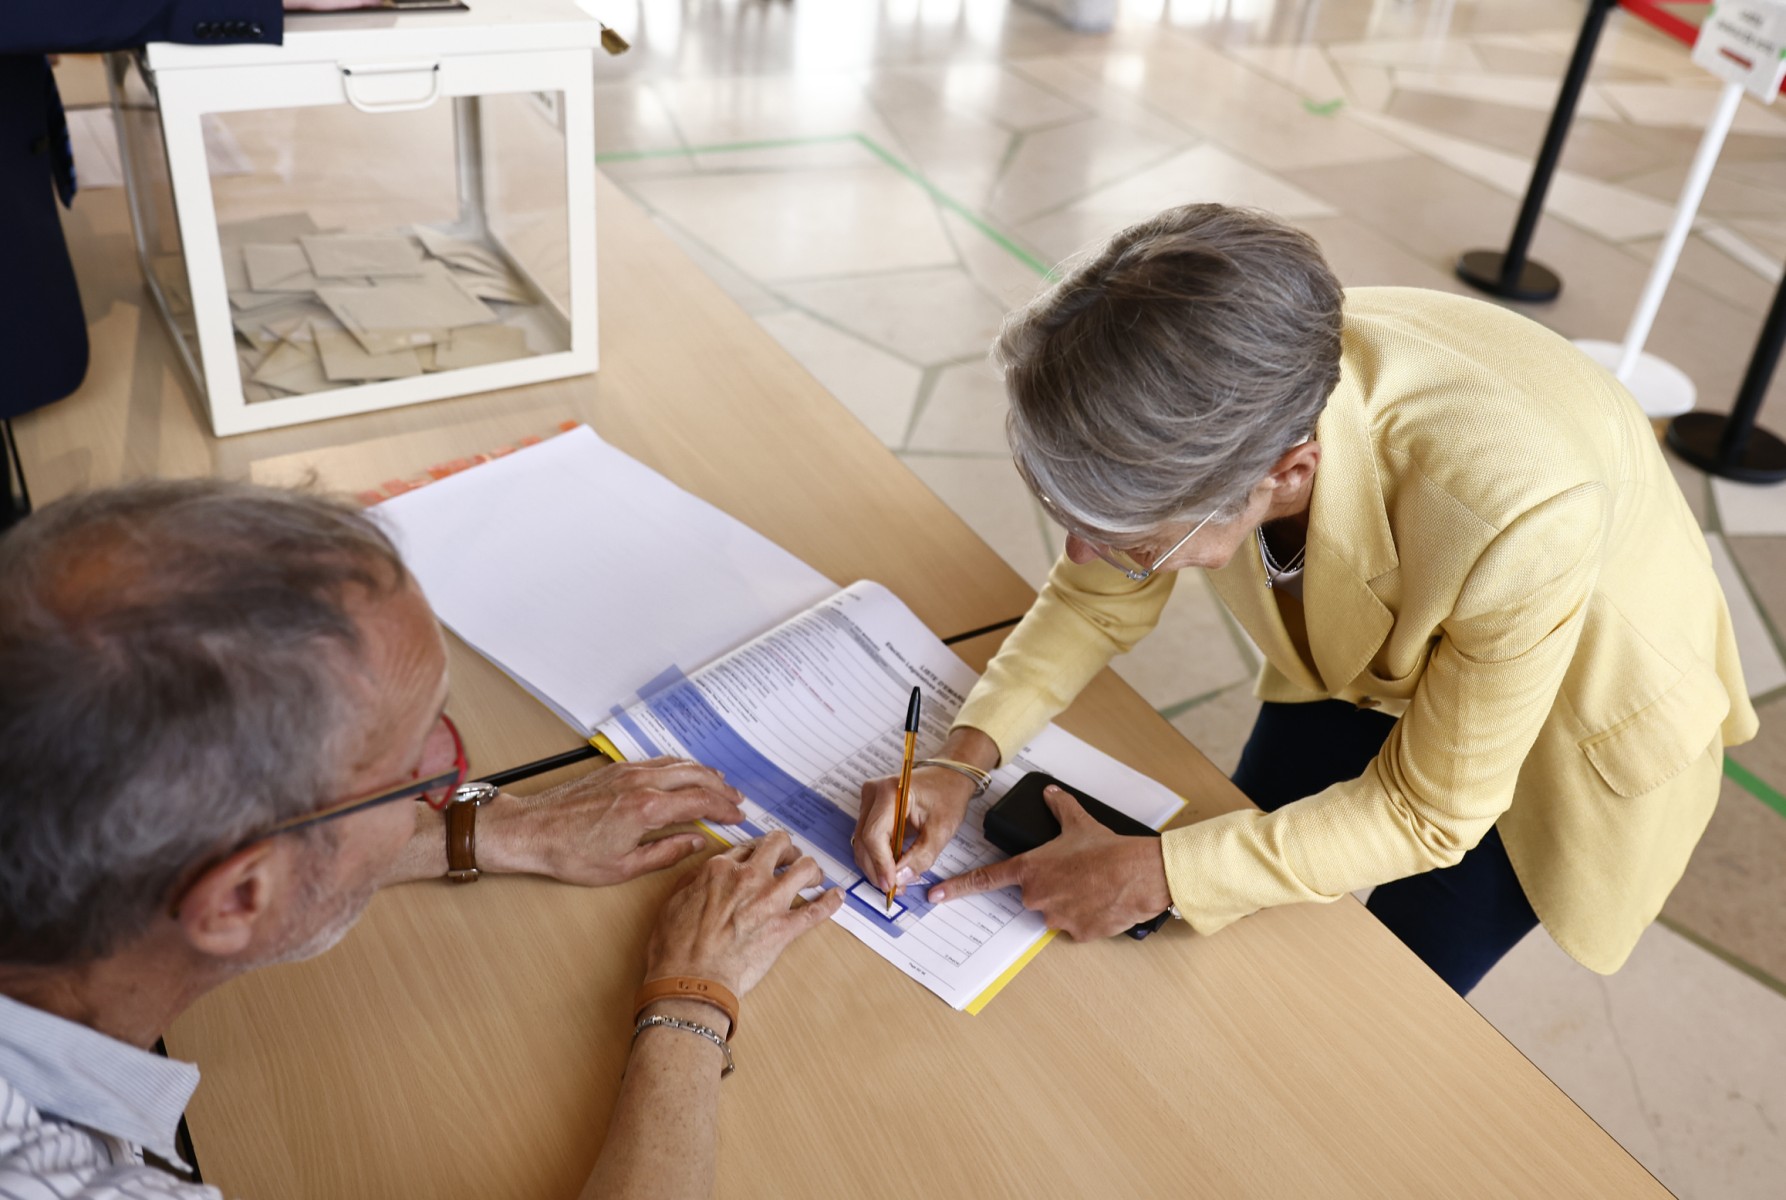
pixel 468 1042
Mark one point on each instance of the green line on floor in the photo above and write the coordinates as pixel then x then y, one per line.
pixel 723 148
pixel 1722 955
pixel 1185 706
pixel 1741 776
pixel 955 206
pixel 867 143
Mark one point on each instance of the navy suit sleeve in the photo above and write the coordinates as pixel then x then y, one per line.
pixel 78 26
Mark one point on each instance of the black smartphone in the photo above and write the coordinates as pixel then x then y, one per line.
pixel 1021 820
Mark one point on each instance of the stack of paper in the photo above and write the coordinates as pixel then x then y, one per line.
pixel 317 309
pixel 542 562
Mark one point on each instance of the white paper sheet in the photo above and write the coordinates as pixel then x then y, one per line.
pixel 582 573
pixel 800 718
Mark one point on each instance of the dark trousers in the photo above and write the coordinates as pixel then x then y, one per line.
pixel 1461 919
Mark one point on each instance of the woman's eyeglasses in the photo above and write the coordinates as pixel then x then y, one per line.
pixel 1123 560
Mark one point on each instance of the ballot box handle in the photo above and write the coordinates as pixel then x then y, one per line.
pixel 349 74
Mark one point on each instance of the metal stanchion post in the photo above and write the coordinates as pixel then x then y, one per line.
pixel 1511 275
pixel 1732 446
pixel 1662 388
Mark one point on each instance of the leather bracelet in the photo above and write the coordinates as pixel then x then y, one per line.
pixel 698 1030
pixel 982 778
pixel 688 987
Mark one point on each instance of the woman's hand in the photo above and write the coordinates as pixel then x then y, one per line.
pixel 934 811
pixel 734 915
pixel 1088 882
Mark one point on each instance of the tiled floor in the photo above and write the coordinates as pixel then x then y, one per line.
pixel 877 183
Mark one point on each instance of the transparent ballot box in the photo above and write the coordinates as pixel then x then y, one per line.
pixel 382 211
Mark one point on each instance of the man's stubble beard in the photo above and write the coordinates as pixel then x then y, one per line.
pixel 343 908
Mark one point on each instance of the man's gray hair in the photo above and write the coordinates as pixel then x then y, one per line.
pixel 1163 377
pixel 176 675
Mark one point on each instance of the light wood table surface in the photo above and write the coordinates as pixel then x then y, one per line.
pixel 469 1041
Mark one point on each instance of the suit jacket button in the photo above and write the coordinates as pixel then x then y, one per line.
pixel 254 29
pixel 201 29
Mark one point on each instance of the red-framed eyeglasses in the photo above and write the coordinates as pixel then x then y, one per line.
pixel 433 781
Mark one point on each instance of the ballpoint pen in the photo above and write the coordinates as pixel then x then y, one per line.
pixel 905 786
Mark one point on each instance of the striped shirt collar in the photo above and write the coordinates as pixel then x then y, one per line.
pixel 84 1077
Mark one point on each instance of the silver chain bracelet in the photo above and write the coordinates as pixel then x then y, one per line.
pixel 981 778
pixel 691 1027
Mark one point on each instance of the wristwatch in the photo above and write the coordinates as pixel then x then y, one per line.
pixel 461 830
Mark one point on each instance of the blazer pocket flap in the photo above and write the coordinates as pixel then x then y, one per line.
pixel 1654 744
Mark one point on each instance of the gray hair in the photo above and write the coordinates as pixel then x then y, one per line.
pixel 1163 376
pixel 176 662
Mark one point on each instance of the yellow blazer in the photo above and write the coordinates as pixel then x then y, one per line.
pixel 1498 556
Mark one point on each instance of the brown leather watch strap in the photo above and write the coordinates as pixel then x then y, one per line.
pixel 462 842
pixel 688 987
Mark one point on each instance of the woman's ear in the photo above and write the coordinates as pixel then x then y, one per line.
pixel 1295 470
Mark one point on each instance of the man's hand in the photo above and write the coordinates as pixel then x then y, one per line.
pixel 597 829
pixel 733 916
pixel 934 810
pixel 1088 882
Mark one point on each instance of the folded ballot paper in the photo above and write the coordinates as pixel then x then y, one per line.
pixel 738 655
pixel 316 310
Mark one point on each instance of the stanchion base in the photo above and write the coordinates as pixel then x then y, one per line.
pixel 1697 436
pixel 1481 269
pixel 1661 388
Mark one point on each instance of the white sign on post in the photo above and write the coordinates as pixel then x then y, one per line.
pixel 1744 42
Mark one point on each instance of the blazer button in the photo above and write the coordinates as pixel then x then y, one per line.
pixel 202 29
pixel 254 29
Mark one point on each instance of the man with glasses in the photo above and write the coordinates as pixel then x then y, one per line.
pixel 222 729
pixel 1500 672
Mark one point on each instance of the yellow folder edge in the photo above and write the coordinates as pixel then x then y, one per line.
pixel 992 989
pixel 998 985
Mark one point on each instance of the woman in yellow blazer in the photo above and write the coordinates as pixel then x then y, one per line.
pixel 1500 673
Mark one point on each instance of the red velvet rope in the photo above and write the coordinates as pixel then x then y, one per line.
pixel 1654 15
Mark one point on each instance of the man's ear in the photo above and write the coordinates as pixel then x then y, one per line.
pixel 223 910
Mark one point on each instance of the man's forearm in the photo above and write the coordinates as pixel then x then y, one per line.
pixel 506 842
pixel 662 1138
pixel 425 855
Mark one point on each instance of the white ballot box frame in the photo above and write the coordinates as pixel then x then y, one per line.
pixel 529 46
